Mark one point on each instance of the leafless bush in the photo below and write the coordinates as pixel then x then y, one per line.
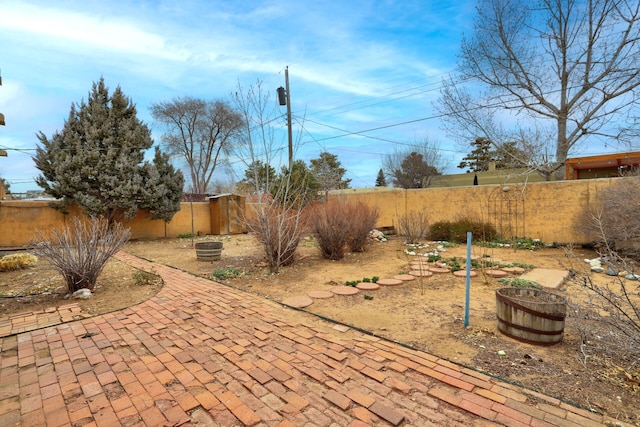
pixel 612 309
pixel 279 229
pixel 414 226
pixel 362 219
pixel 80 251
pixel 330 224
pixel 615 215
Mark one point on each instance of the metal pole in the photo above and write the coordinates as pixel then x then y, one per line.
pixel 468 281
pixel 286 80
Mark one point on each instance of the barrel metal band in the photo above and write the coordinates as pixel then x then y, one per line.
pixel 533 331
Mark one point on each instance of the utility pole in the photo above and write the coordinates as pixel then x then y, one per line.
pixel 284 98
pixel 1 117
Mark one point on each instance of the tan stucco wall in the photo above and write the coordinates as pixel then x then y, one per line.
pixel 20 219
pixel 549 210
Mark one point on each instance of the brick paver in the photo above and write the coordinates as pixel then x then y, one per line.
pixel 200 349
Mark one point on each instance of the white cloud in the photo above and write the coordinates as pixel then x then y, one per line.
pixel 78 30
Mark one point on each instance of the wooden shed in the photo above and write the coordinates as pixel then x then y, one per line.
pixel 227 213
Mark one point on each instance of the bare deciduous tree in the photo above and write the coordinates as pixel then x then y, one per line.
pixel 568 68
pixel 278 226
pixel 81 250
pixel 199 132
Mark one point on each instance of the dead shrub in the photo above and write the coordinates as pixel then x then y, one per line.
pixel 279 229
pixel 330 225
pixel 79 251
pixel 615 215
pixel 362 219
pixel 414 226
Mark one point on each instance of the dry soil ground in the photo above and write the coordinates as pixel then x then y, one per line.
pixel 425 314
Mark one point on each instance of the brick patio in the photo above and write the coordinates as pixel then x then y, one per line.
pixel 203 351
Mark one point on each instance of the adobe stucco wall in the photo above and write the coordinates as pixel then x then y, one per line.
pixel 548 210
pixel 20 219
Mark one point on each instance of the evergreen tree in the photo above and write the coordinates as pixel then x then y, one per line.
pixel 505 156
pixel 329 172
pixel 97 161
pixel 479 158
pixel 258 178
pixel 381 181
pixel 296 187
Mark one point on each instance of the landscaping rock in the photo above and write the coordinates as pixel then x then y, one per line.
pixel 83 293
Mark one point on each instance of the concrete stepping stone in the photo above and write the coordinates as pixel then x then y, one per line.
pixel 301 301
pixel 495 273
pixel 547 277
pixel 389 282
pixel 405 277
pixel 368 286
pixel 439 270
pixel 514 270
pixel 321 294
pixel 421 273
pixel 419 264
pixel 463 273
pixel 345 290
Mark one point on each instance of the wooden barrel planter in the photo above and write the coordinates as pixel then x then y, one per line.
pixel 208 251
pixel 531 315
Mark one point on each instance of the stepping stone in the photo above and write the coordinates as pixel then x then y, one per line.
pixel 463 273
pixel 547 277
pixel 514 270
pixel 421 273
pixel 321 294
pixel 419 264
pixel 495 273
pixel 368 286
pixel 345 290
pixel 298 302
pixel 438 270
pixel 389 282
pixel 405 277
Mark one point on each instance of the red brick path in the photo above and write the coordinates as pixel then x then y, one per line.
pixel 204 349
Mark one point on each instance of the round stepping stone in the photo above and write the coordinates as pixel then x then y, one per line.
pixel 496 273
pixel 421 273
pixel 419 266
pixel 405 277
pixel 389 282
pixel 345 290
pixel 368 286
pixel 298 302
pixel 321 294
pixel 438 270
pixel 514 270
pixel 463 273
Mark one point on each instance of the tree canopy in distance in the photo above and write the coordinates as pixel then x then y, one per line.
pixel 414 172
pixel 97 161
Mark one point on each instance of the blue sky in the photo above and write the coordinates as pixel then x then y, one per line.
pixel 353 66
